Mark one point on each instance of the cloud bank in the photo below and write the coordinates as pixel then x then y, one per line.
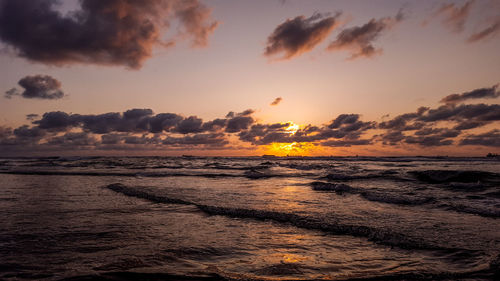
pixel 453 123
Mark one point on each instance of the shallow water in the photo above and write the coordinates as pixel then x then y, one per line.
pixel 249 218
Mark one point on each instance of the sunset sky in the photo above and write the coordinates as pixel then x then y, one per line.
pixel 222 77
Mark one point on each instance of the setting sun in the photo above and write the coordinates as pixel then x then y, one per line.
pixel 290 149
pixel 292 128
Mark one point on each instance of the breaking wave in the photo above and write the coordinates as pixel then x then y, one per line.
pixel 452 176
pixel 381 236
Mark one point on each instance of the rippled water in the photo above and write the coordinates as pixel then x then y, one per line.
pixel 133 218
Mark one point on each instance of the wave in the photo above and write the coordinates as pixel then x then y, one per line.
pixel 251 174
pixel 381 236
pixel 130 276
pixel 475 210
pixel 385 174
pixel 420 276
pixel 398 199
pixel 306 167
pixel 456 176
pixel 326 186
pixel 378 196
pixel 405 199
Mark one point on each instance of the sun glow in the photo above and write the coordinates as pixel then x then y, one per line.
pixel 290 149
pixel 292 128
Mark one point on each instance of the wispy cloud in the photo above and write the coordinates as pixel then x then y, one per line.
pixel 455 16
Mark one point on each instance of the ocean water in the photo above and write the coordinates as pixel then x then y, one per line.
pixel 195 218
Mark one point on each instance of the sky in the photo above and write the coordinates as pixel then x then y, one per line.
pixel 238 78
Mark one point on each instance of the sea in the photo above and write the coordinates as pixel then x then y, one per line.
pixel 250 218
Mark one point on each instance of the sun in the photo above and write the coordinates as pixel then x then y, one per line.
pixel 290 149
pixel 292 128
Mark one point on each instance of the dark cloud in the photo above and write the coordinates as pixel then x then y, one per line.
pixel 359 39
pixel 299 35
pixel 32 117
pixel 277 101
pixel 402 122
pixel 346 127
pixel 73 140
pixel 491 138
pixel 5 132
pixel 37 87
pixel 432 137
pixel 142 129
pixel 346 143
pixel 486 33
pixel 27 132
pixel 392 137
pixel 454 16
pixel 56 121
pixel 122 128
pixel 137 113
pixel 114 32
pixel 344 119
pixel 458 118
pixel 475 94
pixel 112 138
pixel 214 125
pixel 191 124
pixel 163 121
pixel 266 133
pixel 212 140
pixel 11 93
pixel 463 112
pixel 239 121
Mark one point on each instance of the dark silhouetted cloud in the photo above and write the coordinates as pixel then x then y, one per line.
pixel 454 16
pixel 346 127
pixel 32 117
pixel 277 101
pixel 73 140
pixel 346 143
pixel 11 93
pixel 359 39
pixel 191 124
pixel 491 138
pixel 475 94
pixel 299 35
pixel 212 140
pixel 142 129
pixel 27 132
pixel 115 32
pixel 56 121
pixel 238 123
pixel 37 87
